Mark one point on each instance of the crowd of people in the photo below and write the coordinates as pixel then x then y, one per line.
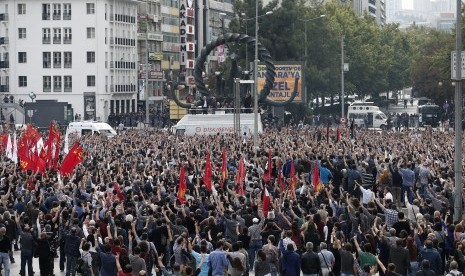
pixel 383 205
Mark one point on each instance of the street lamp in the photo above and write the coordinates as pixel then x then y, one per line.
pixel 255 96
pixel 32 95
pixel 246 48
pixel 305 60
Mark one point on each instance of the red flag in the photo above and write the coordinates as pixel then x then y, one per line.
pixel 182 185
pixel 39 163
pixel 224 168
pixel 338 135
pixel 207 176
pixel 26 164
pixel 293 180
pixel 31 135
pixel 4 140
pixel 327 133
pixel 240 175
pixel 316 177
pixel 119 193
pixel 281 183
pixel 48 145
pixel 57 151
pixel 73 158
pixel 267 175
pixel 266 203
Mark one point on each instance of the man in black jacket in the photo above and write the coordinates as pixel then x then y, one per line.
pixel 310 262
pixel 72 243
pixel 5 248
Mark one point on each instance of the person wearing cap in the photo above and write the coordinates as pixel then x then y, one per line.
pixel 255 239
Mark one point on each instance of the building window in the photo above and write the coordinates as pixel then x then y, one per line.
pixel 90 80
pixel 68 59
pixel 45 11
pixel 90 32
pixel 90 57
pixel 67 36
pixel 46 36
pixel 56 11
pixel 22 81
pixel 67 11
pixel 47 59
pixel 22 57
pixel 68 81
pixel 47 83
pixel 56 59
pixel 21 33
pixel 21 8
pixel 56 35
pixel 57 84
pixel 90 7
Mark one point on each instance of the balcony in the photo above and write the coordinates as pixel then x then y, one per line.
pixel 67 40
pixel 4 64
pixel 112 41
pixel 3 16
pixel 4 88
pixel 112 88
pixel 57 40
pixel 47 89
pixel 112 17
pixel 45 16
pixel 3 40
pixel 67 16
pixel 45 40
pixel 57 16
pixel 112 64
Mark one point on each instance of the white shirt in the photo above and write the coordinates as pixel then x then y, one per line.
pixel 388 195
pixel 367 195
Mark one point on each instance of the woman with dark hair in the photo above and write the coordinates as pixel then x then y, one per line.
pixel 262 264
pixel 412 249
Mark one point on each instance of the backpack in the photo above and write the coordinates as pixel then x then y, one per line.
pixel 81 265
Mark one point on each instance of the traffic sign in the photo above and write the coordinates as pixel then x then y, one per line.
pixel 453 65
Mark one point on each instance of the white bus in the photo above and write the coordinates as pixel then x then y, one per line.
pixel 366 114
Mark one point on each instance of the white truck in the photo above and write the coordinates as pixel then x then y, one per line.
pixel 366 114
pixel 210 124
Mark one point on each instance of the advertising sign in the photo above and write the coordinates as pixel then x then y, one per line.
pixel 284 81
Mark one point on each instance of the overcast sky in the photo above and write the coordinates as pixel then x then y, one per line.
pixel 407 4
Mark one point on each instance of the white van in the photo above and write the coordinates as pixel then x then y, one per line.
pixel 90 127
pixel 366 114
pixel 211 124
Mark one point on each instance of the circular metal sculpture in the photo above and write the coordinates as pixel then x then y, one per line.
pixel 264 56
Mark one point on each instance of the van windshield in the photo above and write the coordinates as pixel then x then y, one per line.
pixel 106 132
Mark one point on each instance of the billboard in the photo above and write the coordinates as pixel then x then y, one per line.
pixel 286 72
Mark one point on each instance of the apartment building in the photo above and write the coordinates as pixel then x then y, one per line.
pixel 80 52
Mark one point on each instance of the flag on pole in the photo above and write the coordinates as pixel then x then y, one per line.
pixel 269 168
pixel 71 160
pixel 266 203
pixel 293 180
pixel 338 135
pixel 316 177
pixel 9 148
pixel 14 153
pixel 182 185
pixel 207 176
pixel 224 168
pixel 240 175
pixel 282 185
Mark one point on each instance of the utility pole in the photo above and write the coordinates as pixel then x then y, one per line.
pixel 342 77
pixel 458 115
pixel 255 94
pixel 147 112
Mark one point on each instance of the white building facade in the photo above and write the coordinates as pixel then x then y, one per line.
pixel 80 52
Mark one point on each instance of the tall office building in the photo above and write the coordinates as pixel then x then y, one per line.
pixel 83 53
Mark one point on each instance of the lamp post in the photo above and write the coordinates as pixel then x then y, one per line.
pixel 255 96
pixel 458 116
pixel 246 32
pixel 305 35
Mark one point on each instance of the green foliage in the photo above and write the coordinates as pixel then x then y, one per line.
pixel 381 58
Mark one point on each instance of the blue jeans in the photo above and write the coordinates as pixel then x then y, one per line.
pixel 414 266
pixel 26 257
pixel 71 265
pixel 274 270
pixel 5 260
pixel 255 245
pixel 409 191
